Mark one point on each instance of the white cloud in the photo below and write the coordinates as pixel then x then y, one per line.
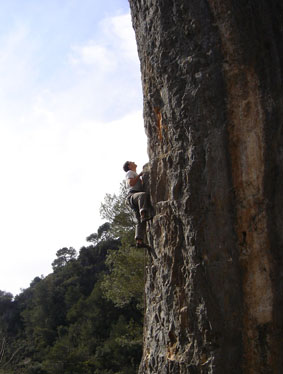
pixel 120 33
pixel 17 64
pixel 107 69
pixel 95 55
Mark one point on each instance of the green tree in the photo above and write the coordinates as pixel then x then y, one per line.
pixel 103 233
pixel 119 214
pixel 64 255
pixel 125 280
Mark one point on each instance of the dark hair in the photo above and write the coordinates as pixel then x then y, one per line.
pixel 126 166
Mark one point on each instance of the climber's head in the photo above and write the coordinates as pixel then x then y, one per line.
pixel 126 166
pixel 129 165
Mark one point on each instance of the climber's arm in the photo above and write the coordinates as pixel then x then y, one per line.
pixel 133 181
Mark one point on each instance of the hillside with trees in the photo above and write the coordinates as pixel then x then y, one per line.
pixel 87 315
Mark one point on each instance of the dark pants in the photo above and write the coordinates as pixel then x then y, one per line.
pixel 139 202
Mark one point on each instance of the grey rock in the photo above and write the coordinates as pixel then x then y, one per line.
pixel 213 112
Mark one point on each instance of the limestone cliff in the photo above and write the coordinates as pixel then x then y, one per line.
pixel 213 111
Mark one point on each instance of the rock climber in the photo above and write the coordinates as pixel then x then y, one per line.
pixel 138 199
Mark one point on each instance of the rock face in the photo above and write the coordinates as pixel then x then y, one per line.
pixel 213 111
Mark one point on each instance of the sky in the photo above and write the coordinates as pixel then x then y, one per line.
pixel 70 116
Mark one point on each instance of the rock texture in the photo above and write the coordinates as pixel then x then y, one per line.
pixel 213 111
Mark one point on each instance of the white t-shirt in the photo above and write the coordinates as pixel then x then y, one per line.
pixel 138 186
